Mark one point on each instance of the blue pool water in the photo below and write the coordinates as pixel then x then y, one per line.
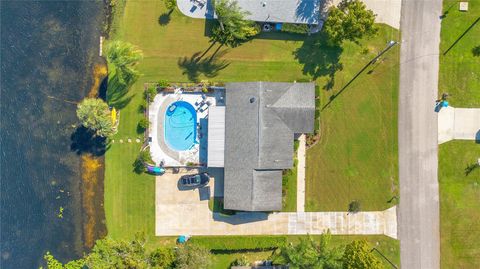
pixel 180 126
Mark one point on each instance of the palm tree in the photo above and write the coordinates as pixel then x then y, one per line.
pixel 124 56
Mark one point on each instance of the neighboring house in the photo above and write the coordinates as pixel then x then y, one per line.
pixel 252 139
pixel 274 11
pixel 283 11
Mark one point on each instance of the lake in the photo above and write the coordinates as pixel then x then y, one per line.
pixel 48 51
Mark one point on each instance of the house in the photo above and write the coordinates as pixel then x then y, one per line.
pixel 252 136
pixel 272 11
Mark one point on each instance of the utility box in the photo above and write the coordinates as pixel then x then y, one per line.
pixel 463 6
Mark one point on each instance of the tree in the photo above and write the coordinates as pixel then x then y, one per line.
pixel 234 28
pixel 124 56
pixel 358 255
pixel 350 20
pixel 94 114
pixel 53 263
pixel 192 257
pixel 310 254
pixel 111 254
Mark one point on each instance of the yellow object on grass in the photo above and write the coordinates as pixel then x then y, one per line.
pixel 114 116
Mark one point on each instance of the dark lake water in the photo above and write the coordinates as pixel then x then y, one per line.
pixel 48 49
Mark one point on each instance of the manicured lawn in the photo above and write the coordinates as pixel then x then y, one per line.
pixel 365 112
pixel 356 157
pixel 459 68
pixel 459 205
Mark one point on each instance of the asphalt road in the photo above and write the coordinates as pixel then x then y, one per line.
pixel 418 224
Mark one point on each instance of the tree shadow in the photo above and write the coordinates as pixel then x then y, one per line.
pixel 165 18
pixel 84 140
pixel 319 59
pixel 196 65
pixel 116 90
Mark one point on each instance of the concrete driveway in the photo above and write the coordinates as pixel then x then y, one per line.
pixel 180 212
pixel 458 123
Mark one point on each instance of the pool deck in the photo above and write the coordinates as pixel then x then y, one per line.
pixel 159 150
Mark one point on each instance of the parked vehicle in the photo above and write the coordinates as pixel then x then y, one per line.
pixel 196 180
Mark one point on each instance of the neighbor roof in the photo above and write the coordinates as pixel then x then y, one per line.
pixel 261 119
pixel 288 11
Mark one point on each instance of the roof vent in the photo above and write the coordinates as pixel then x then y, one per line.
pixel 252 100
pixel 264 4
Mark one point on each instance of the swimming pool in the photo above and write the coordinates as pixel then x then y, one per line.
pixel 180 126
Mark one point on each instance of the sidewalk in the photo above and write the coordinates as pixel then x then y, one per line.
pixel 301 174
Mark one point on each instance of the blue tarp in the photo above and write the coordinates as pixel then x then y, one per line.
pixel 278 26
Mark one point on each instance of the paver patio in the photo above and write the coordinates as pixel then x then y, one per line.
pixel 186 212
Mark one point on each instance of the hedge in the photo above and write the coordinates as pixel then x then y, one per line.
pixel 295 28
pixel 240 242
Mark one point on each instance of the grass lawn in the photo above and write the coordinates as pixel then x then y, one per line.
pixel 459 67
pixel 365 112
pixel 459 193
pixel 459 205
pixel 387 246
pixel 356 157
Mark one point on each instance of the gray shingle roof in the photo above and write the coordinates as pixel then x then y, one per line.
pixel 261 120
pixel 287 11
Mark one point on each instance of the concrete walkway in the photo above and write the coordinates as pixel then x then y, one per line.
pixel 387 11
pixel 458 123
pixel 186 212
pixel 301 174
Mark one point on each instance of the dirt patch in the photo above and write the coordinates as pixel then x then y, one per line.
pixel 99 73
pixel 92 199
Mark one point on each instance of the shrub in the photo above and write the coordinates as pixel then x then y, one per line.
pixel 170 4
pixel 143 106
pixel 192 257
pixel 150 93
pixel 163 83
pixel 354 206
pixel 240 242
pixel 242 261
pixel 142 158
pixel 162 258
pixel 295 28
pixel 476 51
pixel 143 125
